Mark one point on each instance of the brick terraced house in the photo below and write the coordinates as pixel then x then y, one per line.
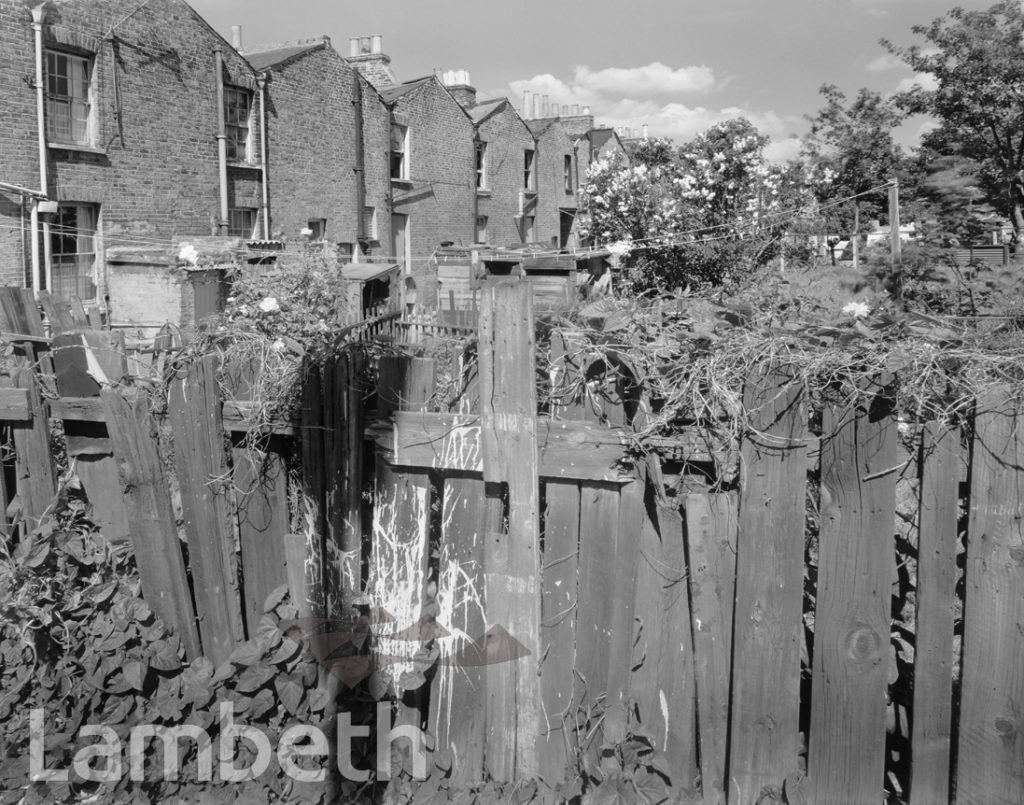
pixel 124 125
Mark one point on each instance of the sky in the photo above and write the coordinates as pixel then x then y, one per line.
pixel 679 66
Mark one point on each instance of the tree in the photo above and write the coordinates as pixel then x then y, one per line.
pixel 699 217
pixel 977 63
pixel 850 152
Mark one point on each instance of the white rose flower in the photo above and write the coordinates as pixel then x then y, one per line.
pixel 269 305
pixel 857 309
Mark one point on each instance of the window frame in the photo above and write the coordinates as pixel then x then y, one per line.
pixel 481 228
pixel 55 100
pixel 235 231
pixel 370 222
pixel 84 281
pixel 567 170
pixel 481 166
pixel 233 125
pixel 403 165
pixel 530 169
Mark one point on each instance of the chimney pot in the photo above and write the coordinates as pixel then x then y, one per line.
pixel 643 131
pixel 364 44
pixel 544 106
pixel 575 108
pixel 586 110
pixel 527 105
pixel 236 37
pixel 377 44
pixel 353 46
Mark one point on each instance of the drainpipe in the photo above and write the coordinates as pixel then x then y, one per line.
pixel 261 81
pixel 222 142
pixel 38 14
pixel 476 190
pixel 360 170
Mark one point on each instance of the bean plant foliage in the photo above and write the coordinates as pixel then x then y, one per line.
pixel 79 642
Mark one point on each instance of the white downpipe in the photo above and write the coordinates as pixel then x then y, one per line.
pixel 262 81
pixel 37 26
pixel 222 144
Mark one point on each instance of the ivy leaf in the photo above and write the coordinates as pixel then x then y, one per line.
pixel 275 598
pixel 135 673
pixel 245 654
pixel 613 791
pixel 290 692
pixel 104 593
pixel 650 787
pixel 163 657
pixel 262 703
pixel 254 678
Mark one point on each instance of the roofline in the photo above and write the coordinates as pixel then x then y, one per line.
pixel 422 83
pixel 321 45
pixel 217 34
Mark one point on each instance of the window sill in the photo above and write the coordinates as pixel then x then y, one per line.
pixel 529 193
pixel 484 192
pixel 84 149
pixel 253 166
pixel 401 182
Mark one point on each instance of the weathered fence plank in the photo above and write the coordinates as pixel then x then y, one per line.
pixel 313 516
pixel 846 755
pixel 936 598
pixel 558 625
pixel 769 590
pixel 711 538
pixel 261 497
pixel 622 592
pixel 460 703
pixel 662 682
pixel 150 515
pixel 991 742
pixel 202 471
pixel 508 410
pixel 599 523
pixel 36 479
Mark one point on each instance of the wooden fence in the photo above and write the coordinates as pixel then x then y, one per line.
pixel 841 621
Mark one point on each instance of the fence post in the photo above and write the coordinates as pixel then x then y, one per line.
pixel 508 433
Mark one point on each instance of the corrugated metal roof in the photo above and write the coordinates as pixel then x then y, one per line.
pixel 364 272
pixel 264 60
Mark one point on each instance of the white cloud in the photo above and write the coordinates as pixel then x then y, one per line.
pixel 650 80
pixel 885 62
pixel 617 102
pixel 925 81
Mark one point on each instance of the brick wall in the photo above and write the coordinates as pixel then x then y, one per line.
pixel 439 196
pixel 154 169
pixel 313 150
pixel 553 146
pixel 507 138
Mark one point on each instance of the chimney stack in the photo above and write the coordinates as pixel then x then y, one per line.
pixel 458 84
pixel 236 37
pixel 544 109
pixel 367 55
